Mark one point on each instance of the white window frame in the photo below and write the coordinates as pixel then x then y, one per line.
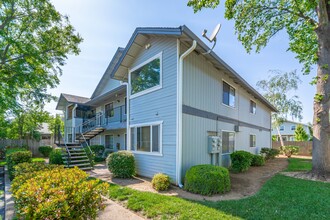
pixel 113 141
pixel 113 108
pixel 294 127
pixel 250 107
pixel 233 107
pixel 250 140
pixel 283 128
pixel 152 89
pixel 234 140
pixel 135 126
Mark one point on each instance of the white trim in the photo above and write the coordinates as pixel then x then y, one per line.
pixel 250 107
pixel 154 88
pixel 113 109
pixel 236 96
pixel 147 153
pixel 150 124
pixel 228 131
pixel 250 140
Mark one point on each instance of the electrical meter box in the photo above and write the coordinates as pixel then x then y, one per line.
pixel 214 144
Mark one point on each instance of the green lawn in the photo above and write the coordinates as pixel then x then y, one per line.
pixel 298 164
pixel 281 197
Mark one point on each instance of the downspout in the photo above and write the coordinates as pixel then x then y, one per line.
pixel 128 130
pixel 179 113
pixel 74 123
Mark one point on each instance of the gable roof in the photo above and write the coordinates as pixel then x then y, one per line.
pixel 187 36
pixel 70 99
pixel 107 74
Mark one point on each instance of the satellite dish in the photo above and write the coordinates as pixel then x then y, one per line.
pixel 213 37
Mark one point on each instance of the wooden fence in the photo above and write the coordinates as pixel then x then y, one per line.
pixel 305 147
pixel 32 144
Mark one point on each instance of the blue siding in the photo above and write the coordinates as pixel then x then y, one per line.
pixel 159 105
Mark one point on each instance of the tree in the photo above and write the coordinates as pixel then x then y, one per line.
pixel 307 24
pixel 276 90
pixel 35 40
pixel 300 134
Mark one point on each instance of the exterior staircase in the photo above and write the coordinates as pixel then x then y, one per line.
pixel 76 156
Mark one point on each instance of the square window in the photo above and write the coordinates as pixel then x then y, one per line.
pixel 282 128
pixel 146 77
pixel 146 138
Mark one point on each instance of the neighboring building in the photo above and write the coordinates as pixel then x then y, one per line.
pixel 177 98
pixel 287 130
pixel 46 137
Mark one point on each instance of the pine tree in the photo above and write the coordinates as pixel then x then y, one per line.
pixel 300 134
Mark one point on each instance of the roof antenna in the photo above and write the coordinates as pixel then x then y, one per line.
pixel 213 37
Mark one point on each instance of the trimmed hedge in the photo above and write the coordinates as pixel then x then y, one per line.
pixel 15 158
pixel 258 160
pixel 207 179
pixel 269 153
pixel 160 182
pixel 58 193
pixel 55 157
pixel 241 160
pixel 45 150
pixel 121 164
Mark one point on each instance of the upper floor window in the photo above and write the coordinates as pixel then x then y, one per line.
pixel 108 110
pixel 253 107
pixel 282 128
pixel 228 97
pixel 293 127
pixel 146 76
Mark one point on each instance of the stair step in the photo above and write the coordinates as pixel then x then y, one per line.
pixel 86 168
pixel 79 161
pixel 79 165
pixel 75 153
pixel 74 157
pixel 76 146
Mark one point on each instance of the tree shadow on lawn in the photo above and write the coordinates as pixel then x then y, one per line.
pixel 281 197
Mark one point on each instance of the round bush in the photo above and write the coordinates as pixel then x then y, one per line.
pixel 121 164
pixel 257 160
pixel 55 157
pixel 45 150
pixel 241 160
pixel 160 182
pixel 15 158
pixel 207 180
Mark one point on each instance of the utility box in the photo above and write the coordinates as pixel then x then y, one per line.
pixel 214 144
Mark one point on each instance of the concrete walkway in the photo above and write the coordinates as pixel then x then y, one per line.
pixel 9 200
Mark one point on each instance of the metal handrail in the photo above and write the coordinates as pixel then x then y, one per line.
pixel 66 147
pixel 88 148
pixel 99 114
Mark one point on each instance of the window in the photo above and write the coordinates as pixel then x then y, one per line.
pixel 228 142
pixel 282 128
pixel 146 77
pixel 125 105
pixel 109 141
pixel 125 142
pixel 228 97
pixel 253 140
pixel 293 127
pixel 146 138
pixel 253 107
pixel 109 112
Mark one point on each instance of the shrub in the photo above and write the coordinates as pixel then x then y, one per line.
pixel 2 152
pixel 15 158
pixel 59 194
pixel 38 160
pixel 257 160
pixel 241 160
pixel 45 150
pixel 13 150
pixel 55 157
pixel 97 149
pixel 121 164
pixel 24 168
pixel 269 153
pixel 160 182
pixel 207 179
pixel 290 150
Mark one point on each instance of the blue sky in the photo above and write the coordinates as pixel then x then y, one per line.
pixel 106 25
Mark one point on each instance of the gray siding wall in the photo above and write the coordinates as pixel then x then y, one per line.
pixel 202 89
pixel 159 105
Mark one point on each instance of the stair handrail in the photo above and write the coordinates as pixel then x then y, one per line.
pixel 66 147
pixel 99 114
pixel 90 160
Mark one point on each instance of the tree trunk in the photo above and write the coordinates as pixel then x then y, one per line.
pixel 280 136
pixel 321 125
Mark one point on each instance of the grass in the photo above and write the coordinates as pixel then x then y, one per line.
pixel 298 164
pixel 281 197
pixel 34 160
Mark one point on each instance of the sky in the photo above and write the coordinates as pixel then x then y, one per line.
pixel 106 25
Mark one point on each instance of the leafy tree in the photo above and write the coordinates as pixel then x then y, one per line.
pixel 300 134
pixel 276 90
pixel 55 123
pixel 35 40
pixel 307 24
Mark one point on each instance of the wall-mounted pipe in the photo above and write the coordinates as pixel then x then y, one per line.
pixel 179 113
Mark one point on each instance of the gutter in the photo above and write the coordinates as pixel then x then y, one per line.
pixel 179 112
